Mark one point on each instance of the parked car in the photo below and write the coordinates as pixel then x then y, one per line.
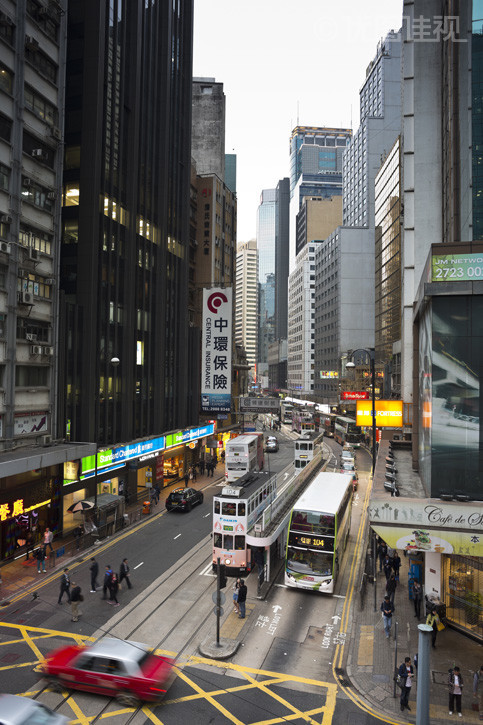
pixel 128 671
pixel 17 710
pixel 350 468
pixel 183 499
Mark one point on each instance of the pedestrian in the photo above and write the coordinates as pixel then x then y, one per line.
pixel 78 531
pixel 75 599
pixel 40 556
pixel 478 689
pixel 396 564
pixel 387 609
pixel 432 619
pixel 212 467
pixel 387 566
pixel 113 589
pixel 107 580
pixel 157 491
pixel 455 686
pixel 64 586
pixel 405 673
pixel 417 592
pixel 29 543
pixel 202 467
pixel 381 552
pixel 124 573
pixel 48 538
pixel 242 598
pixel 235 588
pixel 391 586
pixel 94 569
pixel 194 472
pixel 186 479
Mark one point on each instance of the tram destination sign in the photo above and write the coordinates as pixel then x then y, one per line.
pixel 259 405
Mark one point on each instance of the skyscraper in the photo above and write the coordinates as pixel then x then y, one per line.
pixel 266 273
pixel 125 245
pixel 246 304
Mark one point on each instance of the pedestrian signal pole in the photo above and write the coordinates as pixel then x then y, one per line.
pixel 218 602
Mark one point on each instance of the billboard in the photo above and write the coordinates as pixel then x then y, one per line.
pixel 216 350
pixel 389 413
pixel 328 374
pixel 259 405
pixel 456 267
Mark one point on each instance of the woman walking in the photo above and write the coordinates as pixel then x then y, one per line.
pixel 113 589
pixel 433 620
pixel 236 586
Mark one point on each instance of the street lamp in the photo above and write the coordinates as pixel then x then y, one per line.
pixel 371 353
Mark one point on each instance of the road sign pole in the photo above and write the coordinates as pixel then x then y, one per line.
pixel 218 603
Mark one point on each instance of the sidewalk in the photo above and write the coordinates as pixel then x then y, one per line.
pixel 370 660
pixel 19 574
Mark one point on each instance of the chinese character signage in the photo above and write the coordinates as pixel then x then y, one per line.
pixel 216 350
pixel 328 374
pixel 259 405
pixel 389 413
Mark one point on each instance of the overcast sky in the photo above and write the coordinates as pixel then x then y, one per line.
pixel 283 63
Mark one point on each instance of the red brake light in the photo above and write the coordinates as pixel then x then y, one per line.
pixel 157 689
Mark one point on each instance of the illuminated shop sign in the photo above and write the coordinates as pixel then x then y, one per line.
pixel 389 413
pixel 17 508
pixel 185 436
pixel 354 395
pixel 327 374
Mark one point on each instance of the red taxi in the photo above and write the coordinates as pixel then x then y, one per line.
pixel 128 671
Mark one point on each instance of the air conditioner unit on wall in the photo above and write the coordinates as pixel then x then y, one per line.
pixel 35 350
pixel 48 351
pixel 26 182
pixel 6 219
pixel 46 440
pixel 5 247
pixel 38 153
pixel 34 254
pixel 30 336
pixel 31 42
pixel 26 298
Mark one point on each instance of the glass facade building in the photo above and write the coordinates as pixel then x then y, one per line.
pixel 125 244
pixel 477 117
pixel 388 255
pixel 266 216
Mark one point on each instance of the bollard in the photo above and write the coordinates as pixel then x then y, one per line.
pixel 422 701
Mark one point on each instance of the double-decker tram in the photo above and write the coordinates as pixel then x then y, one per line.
pixel 303 422
pixel 318 531
pixel 243 454
pixel 235 510
pixel 347 431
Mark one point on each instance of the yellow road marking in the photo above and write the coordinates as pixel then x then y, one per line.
pixel 150 714
pixel 16 667
pixel 44 630
pixel 31 643
pixel 215 704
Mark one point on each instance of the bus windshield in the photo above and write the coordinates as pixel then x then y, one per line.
pixel 313 522
pixel 309 562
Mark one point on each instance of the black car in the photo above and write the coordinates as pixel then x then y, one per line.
pixel 183 499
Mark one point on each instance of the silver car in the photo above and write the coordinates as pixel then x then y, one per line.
pixel 16 710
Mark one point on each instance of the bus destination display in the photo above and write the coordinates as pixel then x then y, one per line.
pixel 313 542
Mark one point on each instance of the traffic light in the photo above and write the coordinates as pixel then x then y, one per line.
pixel 222 576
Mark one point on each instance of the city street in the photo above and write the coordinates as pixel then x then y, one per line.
pixel 283 668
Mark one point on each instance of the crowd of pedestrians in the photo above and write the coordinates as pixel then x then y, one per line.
pixel 111 585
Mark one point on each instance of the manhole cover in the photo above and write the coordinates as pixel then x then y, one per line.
pixel 10 657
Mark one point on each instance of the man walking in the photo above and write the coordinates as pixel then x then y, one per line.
pixel 242 598
pixel 387 566
pixel 417 598
pixel 75 599
pixel 455 685
pixel 387 609
pixel 94 569
pixel 405 673
pixel 381 552
pixel 202 467
pixel 124 573
pixel 40 556
pixel 391 586
pixel 107 581
pixel 64 586
pixel 186 479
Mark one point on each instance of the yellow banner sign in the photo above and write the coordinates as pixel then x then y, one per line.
pixel 389 413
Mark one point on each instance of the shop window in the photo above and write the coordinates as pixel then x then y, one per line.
pixel 31 375
pixel 463 592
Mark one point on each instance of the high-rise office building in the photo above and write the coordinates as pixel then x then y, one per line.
pixel 246 301
pixel 380 125
pixel 266 215
pixel 317 218
pixel 316 158
pixel 282 229
pixel 128 350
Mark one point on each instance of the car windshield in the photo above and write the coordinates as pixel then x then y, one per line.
pixel 40 715
pixel 178 495
pixel 348 467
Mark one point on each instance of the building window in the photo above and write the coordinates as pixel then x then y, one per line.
pixel 38 105
pixel 29 237
pixel 37 195
pixel 29 375
pixel 42 63
pixel 32 330
pixel 4 177
pixel 6 79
